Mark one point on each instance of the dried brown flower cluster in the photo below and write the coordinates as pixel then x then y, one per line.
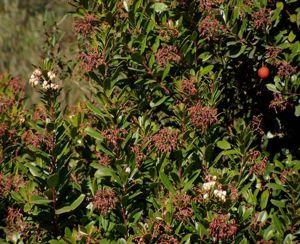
pixel 234 193
pixel 161 233
pixel 188 87
pixel 39 114
pixel 285 69
pixel 114 136
pixel 202 116
pixel 38 140
pixel 168 33
pixel 6 103
pixel 167 54
pixel 86 25
pixel 16 85
pixel 278 103
pixel 253 156
pixel 207 5
pixel 10 183
pixel 259 168
pixel 104 201
pixel 256 124
pixel 15 223
pixel 102 158
pixel 261 18
pixel 182 206
pixel 166 140
pixel 273 53
pixel 139 155
pixel 91 60
pixel 3 129
pixel 222 228
pixel 210 28
pixel 167 239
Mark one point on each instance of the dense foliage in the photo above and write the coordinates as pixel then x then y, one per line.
pixel 178 139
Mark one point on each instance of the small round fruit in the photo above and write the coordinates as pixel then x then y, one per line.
pixel 263 72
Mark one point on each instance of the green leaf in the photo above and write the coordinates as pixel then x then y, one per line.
pixel 53 180
pixel 291 36
pixel 159 102
pixel 71 207
pixel 268 234
pixel 103 171
pixel 271 87
pixel 264 199
pixel 289 239
pixel 94 109
pixel 240 52
pixel 39 200
pixel 297 111
pixel 206 69
pixel 93 133
pixel 166 182
pixel 35 171
pixel 189 184
pixel 225 145
pixel 275 186
pixel 277 203
pixel 159 7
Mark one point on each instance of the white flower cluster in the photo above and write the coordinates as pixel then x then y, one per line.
pixel 220 194
pixel 210 184
pixel 37 78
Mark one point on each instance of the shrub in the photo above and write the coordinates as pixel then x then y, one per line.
pixel 178 140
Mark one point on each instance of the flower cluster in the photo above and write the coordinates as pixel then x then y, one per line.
pixel 188 87
pixel 114 136
pixel 259 168
pixel 39 114
pixel 207 186
pixel 139 155
pixel 161 234
pixel 91 60
pixel 221 228
pixel 3 129
pixel 86 25
pixel 16 85
pixel 38 140
pixel 285 69
pixel 6 103
pixel 207 5
pixel 202 116
pixel 256 124
pixel 278 103
pixel 261 18
pixel 210 184
pixel 166 140
pixel 273 52
pixel 234 193
pixel 167 54
pixel 15 222
pixel 102 158
pixel 104 201
pixel 48 83
pixel 210 28
pixel 220 194
pixel 253 156
pixel 182 206
pixel 169 32
pixel 167 239
pixel 10 183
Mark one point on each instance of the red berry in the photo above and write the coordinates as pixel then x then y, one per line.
pixel 263 72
